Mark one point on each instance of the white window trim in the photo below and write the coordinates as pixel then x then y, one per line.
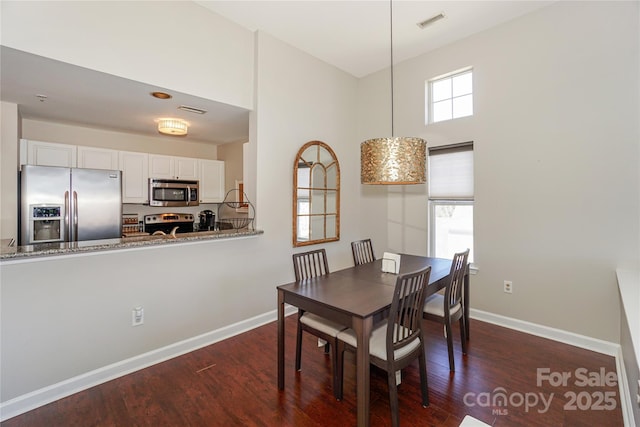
pixel 429 97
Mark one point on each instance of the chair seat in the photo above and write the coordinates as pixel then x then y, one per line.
pixel 378 342
pixel 435 305
pixel 321 324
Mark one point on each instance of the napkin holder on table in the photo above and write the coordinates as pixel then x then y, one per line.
pixel 391 263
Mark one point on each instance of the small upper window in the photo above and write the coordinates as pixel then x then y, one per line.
pixel 450 97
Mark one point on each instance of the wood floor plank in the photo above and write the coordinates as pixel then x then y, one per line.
pixel 233 383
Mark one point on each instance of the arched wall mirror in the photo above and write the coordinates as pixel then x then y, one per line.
pixel 316 195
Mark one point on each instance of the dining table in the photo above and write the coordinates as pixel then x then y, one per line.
pixel 358 297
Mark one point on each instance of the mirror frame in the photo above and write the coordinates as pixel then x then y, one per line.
pixel 316 163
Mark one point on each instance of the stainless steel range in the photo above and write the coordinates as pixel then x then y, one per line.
pixel 165 223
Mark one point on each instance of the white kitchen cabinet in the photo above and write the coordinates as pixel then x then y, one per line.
pixel 136 167
pixel 186 168
pixel 172 167
pixel 97 158
pixel 50 154
pixel 161 166
pixel 211 181
pixel 135 176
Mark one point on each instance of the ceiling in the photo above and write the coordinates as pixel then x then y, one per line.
pixel 352 35
pixel 79 96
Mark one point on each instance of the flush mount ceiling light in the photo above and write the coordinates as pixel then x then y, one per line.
pixel 172 126
pixel 394 160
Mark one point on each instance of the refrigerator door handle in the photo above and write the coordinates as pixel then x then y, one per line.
pixel 75 216
pixel 67 213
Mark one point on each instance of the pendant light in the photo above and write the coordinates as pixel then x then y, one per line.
pixel 393 160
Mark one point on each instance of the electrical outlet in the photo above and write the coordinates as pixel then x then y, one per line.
pixel 508 286
pixel 137 316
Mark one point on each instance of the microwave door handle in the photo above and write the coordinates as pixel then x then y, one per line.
pixel 75 216
pixel 188 195
pixel 67 213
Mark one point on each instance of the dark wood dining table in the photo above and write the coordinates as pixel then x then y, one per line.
pixel 357 297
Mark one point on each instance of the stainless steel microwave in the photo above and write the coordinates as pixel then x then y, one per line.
pixel 173 192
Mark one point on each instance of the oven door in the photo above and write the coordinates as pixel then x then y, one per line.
pixel 182 227
pixel 173 193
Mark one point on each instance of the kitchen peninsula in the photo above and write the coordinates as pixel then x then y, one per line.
pixel 10 253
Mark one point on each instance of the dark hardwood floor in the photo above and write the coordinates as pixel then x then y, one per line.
pixel 233 383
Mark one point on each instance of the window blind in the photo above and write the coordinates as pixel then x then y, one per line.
pixel 451 172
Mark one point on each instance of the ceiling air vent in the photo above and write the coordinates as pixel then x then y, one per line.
pixel 191 109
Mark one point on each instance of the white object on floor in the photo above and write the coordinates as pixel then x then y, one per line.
pixel 469 421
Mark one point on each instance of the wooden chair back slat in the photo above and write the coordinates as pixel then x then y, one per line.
pixel 405 320
pixel 362 251
pixel 310 264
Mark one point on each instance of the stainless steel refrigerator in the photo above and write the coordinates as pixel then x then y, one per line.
pixel 69 204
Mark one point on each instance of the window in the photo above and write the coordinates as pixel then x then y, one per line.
pixel 450 200
pixel 450 97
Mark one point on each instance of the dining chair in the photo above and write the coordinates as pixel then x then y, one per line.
pixel 448 307
pixel 362 251
pixel 397 341
pixel 307 265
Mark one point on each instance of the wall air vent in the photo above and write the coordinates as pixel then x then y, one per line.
pixel 192 109
pixel 431 20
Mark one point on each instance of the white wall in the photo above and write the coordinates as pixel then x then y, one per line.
pixel 77 310
pixel 374 121
pixel 9 131
pixel 145 41
pixel 68 316
pixel 300 99
pixel 232 154
pixel 556 143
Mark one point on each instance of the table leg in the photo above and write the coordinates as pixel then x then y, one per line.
pixel 465 303
pixel 362 328
pixel 280 340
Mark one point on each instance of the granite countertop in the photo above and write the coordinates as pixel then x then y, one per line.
pixel 8 253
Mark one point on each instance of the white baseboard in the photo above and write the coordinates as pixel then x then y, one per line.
pixel 588 343
pixel 43 396
pixel 625 393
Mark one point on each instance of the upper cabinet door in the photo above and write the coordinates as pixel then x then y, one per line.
pixel 135 177
pixel 97 158
pixel 161 167
pixel 51 154
pixel 186 168
pixel 211 181
pixel 171 167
